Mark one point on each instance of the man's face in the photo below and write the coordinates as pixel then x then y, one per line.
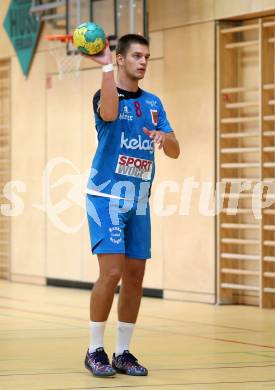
pixel 135 62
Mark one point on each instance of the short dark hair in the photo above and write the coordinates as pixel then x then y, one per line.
pixel 125 42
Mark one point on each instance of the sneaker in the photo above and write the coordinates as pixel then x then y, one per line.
pixel 128 364
pixel 98 363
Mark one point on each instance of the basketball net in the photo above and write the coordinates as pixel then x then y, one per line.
pixel 67 61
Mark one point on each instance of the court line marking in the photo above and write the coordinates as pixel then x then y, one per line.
pixel 208 338
pixel 147 329
pixel 39 319
pixel 148 316
pixel 10 339
pixel 155 317
pixel 218 363
pixel 203 323
pixel 232 341
pixel 160 385
pixel 43 313
pixel 10 315
pixel 151 370
pixel 42 302
pixel 260 354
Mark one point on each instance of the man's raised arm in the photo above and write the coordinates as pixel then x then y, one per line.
pixel 108 107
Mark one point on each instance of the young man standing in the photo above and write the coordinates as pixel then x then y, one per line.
pixel 130 122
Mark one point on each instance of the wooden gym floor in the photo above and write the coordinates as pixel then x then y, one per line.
pixel 44 337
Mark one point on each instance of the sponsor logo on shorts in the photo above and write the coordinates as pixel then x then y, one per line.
pixel 115 234
pixel 136 143
pixel 135 167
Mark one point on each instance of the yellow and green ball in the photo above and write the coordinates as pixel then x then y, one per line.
pixel 89 38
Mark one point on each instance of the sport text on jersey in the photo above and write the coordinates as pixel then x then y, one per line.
pixel 136 143
pixel 135 167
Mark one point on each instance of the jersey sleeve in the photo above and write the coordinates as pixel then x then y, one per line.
pixel 96 103
pixel 163 123
pixel 96 107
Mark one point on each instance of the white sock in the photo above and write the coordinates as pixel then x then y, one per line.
pixel 124 335
pixel 96 335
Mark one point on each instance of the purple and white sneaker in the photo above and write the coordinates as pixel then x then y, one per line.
pixel 98 363
pixel 128 364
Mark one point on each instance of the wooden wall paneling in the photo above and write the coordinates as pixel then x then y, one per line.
pixel 235 8
pixel 6 48
pixel 250 70
pixel 268 148
pixel 156 48
pixel 167 14
pixel 261 105
pixel 155 15
pixel 227 65
pixel 164 14
pixel 189 98
pixel 5 166
pixel 218 172
pixel 28 159
pixel 254 282
pixel 64 150
pixel 239 235
pixel 178 13
pixel 153 82
pixel 91 83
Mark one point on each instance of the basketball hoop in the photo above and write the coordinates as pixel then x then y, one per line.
pixel 67 58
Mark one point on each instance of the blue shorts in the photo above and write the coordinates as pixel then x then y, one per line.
pixel 119 226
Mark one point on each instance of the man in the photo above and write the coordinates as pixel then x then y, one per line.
pixel 129 123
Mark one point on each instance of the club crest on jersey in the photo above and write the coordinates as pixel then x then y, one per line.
pixel 154 115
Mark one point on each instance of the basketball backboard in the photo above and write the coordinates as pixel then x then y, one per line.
pixel 117 17
pixel 52 12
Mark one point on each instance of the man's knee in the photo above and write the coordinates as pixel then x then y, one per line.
pixel 133 276
pixel 111 277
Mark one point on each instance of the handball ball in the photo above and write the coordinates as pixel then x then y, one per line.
pixel 89 38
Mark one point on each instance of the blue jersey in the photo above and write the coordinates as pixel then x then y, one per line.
pixel 124 163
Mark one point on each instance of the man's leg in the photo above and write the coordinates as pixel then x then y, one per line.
pixel 129 302
pixel 131 290
pixel 102 295
pixel 110 271
pixel 128 308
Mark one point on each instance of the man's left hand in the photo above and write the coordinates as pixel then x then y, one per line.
pixel 157 136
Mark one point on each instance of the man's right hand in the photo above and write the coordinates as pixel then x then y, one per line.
pixel 102 58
